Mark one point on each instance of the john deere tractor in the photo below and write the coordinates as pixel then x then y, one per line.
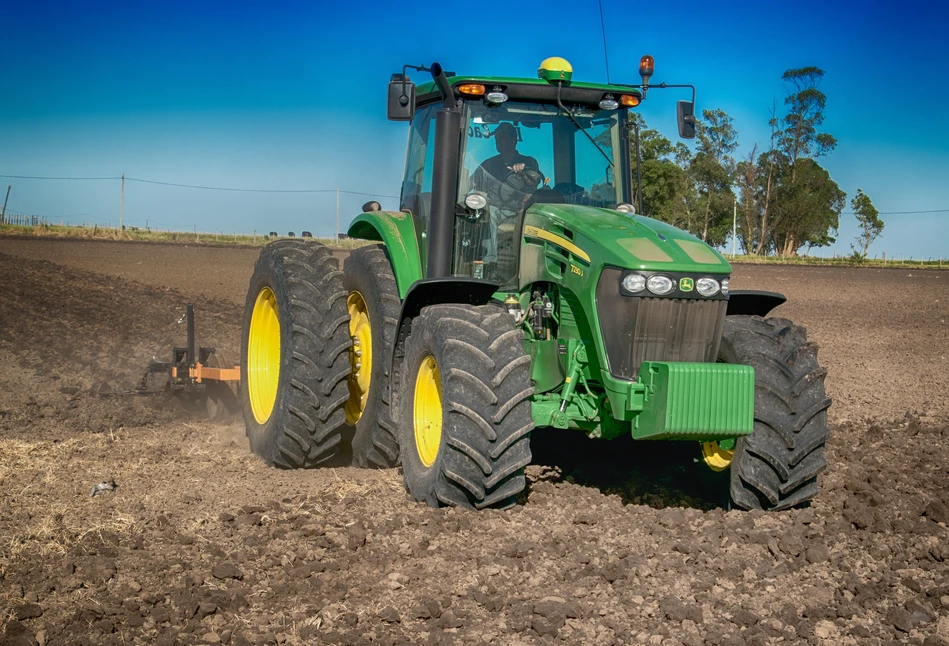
pixel 517 289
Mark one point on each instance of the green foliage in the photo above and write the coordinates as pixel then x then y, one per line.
pixel 871 226
pixel 807 208
pixel 805 104
pixel 666 189
pixel 713 172
pixel 787 200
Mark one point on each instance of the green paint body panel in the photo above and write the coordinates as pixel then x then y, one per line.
pixel 600 238
pixel 608 236
pixel 696 401
pixel 396 230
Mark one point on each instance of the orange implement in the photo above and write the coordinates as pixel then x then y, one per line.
pixel 200 372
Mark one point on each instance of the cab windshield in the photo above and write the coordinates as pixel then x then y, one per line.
pixel 518 154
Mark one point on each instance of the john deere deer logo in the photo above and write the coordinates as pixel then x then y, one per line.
pixel 686 284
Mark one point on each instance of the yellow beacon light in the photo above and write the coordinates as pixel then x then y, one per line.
pixel 555 69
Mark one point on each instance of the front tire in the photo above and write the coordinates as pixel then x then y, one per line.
pixel 776 467
pixel 465 413
pixel 294 356
pixel 374 306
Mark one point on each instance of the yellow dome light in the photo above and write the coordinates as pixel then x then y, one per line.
pixel 555 69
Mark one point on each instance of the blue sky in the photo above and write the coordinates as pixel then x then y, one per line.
pixel 293 97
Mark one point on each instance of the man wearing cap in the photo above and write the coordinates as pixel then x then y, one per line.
pixel 509 168
pixel 507 180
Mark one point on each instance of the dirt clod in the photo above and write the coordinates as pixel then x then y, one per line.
pixel 226 571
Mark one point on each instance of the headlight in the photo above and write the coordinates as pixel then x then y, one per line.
pixel 706 286
pixel 476 201
pixel 660 285
pixel 634 283
pixel 625 207
pixel 725 286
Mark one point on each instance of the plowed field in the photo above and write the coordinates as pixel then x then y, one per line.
pixel 617 543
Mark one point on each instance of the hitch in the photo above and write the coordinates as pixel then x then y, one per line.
pixel 188 365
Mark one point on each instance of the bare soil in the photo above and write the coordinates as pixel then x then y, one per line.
pixel 616 543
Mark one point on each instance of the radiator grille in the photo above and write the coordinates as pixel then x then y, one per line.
pixel 637 329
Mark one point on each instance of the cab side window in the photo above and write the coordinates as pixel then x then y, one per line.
pixel 417 183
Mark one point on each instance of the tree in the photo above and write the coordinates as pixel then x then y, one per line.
pixel 764 237
pixel 799 136
pixel 780 215
pixel 807 210
pixel 871 226
pixel 667 191
pixel 713 172
pixel 748 178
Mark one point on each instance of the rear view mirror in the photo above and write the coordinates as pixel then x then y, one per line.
pixel 401 105
pixel 685 115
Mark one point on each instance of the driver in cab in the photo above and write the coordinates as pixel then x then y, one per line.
pixel 509 177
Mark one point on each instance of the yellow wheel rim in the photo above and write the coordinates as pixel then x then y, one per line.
pixel 717 458
pixel 360 356
pixel 428 411
pixel 263 355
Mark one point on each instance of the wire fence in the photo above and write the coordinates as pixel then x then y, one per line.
pixel 24 220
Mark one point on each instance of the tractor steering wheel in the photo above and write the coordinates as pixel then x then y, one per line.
pixel 525 181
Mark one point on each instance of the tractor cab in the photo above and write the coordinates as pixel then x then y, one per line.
pixel 518 142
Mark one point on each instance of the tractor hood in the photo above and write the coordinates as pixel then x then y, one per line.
pixel 599 237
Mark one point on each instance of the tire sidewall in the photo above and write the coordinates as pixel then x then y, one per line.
pixel 761 343
pixel 360 281
pixel 420 480
pixel 268 272
pixel 727 353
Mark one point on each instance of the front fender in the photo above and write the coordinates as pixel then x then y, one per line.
pixel 751 302
pixel 432 291
pixel 396 230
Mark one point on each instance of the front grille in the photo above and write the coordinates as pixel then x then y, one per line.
pixel 637 329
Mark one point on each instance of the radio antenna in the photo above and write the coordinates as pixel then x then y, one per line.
pixel 605 55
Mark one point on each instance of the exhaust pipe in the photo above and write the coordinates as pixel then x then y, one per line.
pixel 444 179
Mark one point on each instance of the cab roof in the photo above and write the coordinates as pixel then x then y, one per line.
pixel 530 89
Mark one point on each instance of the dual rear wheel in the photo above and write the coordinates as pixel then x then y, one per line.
pixel 316 379
pixel 294 359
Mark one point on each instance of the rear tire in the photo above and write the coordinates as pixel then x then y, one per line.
pixel 464 411
pixel 374 307
pixel 294 355
pixel 776 467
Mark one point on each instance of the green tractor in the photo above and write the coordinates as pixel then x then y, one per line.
pixel 516 289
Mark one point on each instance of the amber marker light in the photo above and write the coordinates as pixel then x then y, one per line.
pixel 629 100
pixel 647 65
pixel 473 89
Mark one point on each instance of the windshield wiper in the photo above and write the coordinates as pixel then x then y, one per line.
pixel 579 127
